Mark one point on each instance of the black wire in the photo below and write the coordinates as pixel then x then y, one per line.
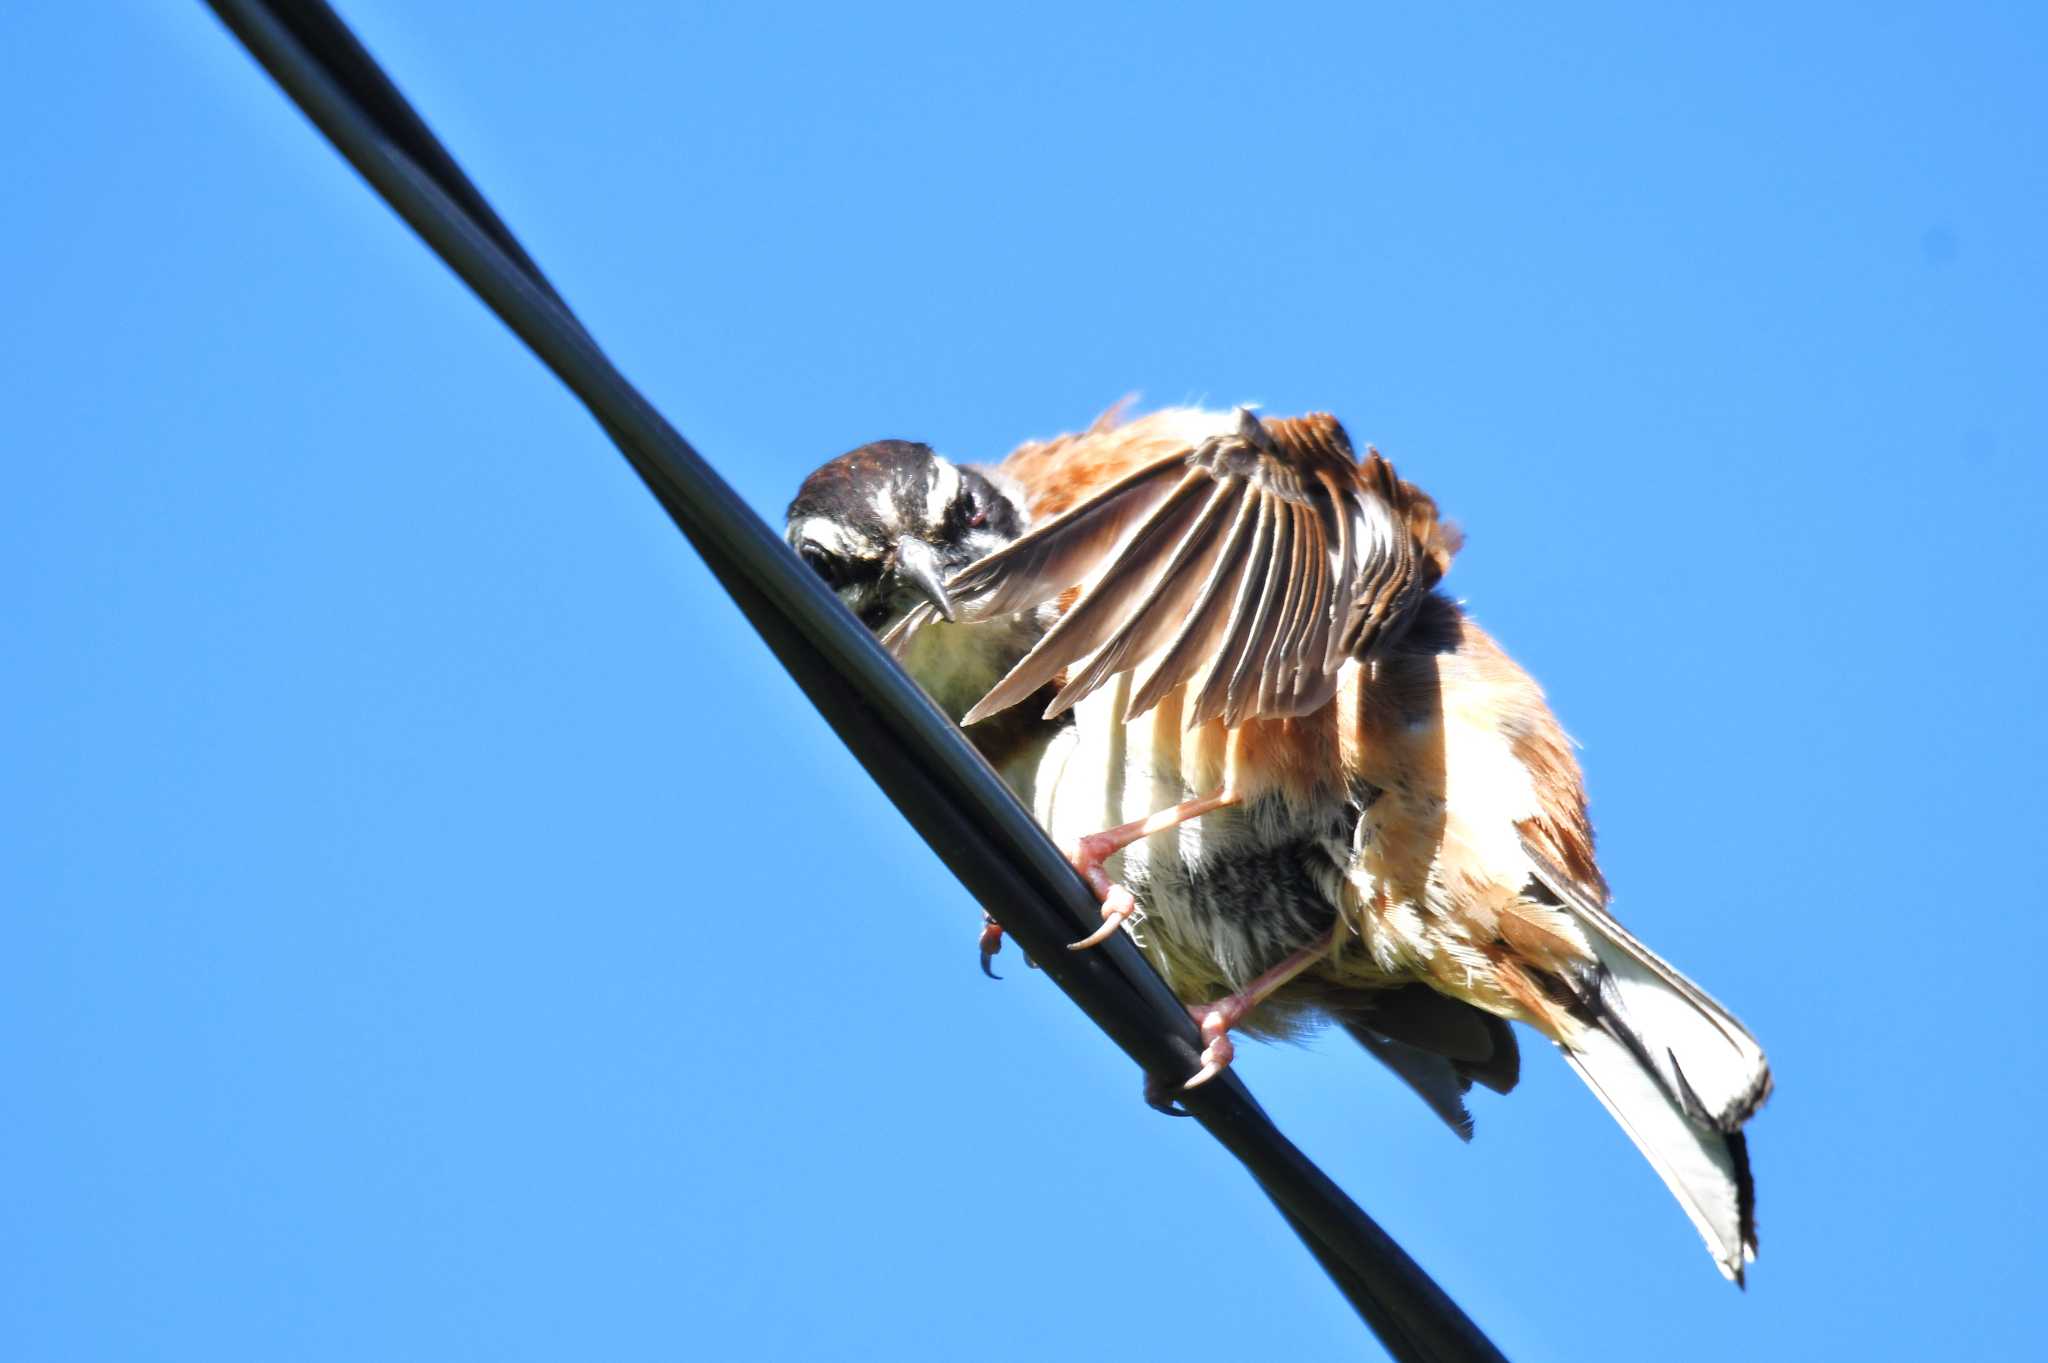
pixel 918 757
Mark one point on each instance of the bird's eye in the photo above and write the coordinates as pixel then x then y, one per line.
pixel 823 564
pixel 977 518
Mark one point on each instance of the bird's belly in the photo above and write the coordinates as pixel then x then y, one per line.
pixel 1226 894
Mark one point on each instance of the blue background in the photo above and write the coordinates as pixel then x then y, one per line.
pixel 434 929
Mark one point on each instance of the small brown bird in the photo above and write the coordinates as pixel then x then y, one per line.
pixel 1294 771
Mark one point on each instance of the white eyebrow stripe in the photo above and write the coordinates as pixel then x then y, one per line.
pixel 884 505
pixel 827 535
pixel 945 487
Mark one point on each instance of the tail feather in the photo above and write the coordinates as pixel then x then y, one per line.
pixel 1703 1059
pixel 1707 1169
pixel 1439 1046
pixel 1679 1074
pixel 1434 1079
pixel 1675 1069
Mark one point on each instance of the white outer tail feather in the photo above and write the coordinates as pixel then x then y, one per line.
pixel 1706 1170
pixel 1680 1075
pixel 1673 1067
pixel 1706 1060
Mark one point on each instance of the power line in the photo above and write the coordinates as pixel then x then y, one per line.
pixel 920 760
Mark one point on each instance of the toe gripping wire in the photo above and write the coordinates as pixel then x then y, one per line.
pixel 918 758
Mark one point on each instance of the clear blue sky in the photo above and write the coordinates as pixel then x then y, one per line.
pixel 431 928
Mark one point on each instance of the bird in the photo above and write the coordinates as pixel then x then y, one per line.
pixel 1212 652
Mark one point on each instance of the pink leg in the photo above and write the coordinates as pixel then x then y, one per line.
pixel 1216 1019
pixel 1096 848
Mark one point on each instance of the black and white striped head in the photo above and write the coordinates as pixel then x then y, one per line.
pixel 885 525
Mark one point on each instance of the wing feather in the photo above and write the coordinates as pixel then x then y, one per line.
pixel 1212 694
pixel 1203 633
pixel 1161 617
pixel 1130 572
pixel 1277 670
pixel 1059 554
pixel 1247 678
pixel 1251 567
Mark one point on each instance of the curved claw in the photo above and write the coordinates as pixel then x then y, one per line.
pixel 1116 907
pixel 1099 936
pixel 1216 1058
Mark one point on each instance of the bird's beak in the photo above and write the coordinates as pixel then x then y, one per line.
pixel 918 564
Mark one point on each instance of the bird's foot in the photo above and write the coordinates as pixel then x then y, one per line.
pixel 991 943
pixel 1119 910
pixel 1119 906
pixel 1216 1020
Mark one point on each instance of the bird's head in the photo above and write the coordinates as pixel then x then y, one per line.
pixel 885 525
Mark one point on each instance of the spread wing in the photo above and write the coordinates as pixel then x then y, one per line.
pixel 1251 567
